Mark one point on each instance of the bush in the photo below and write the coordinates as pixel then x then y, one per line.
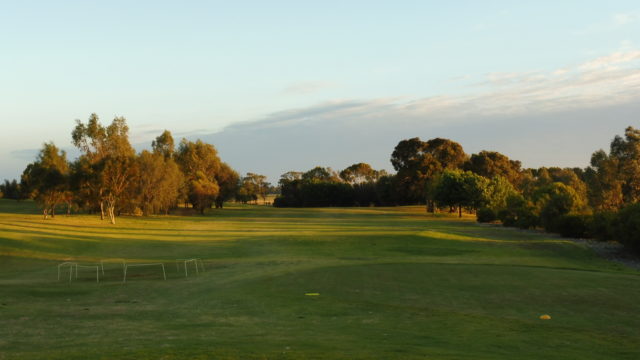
pixel 486 215
pixel 507 217
pixel 602 226
pixel 627 227
pixel 527 220
pixel 574 226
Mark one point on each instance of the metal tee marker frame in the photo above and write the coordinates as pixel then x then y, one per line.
pixel 71 266
pixel 74 266
pixel 97 267
pixel 195 262
pixel 126 266
pixel 118 260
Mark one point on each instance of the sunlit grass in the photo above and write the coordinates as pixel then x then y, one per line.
pixel 391 283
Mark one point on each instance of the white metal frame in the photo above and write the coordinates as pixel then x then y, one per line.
pixel 124 263
pixel 97 267
pixel 195 262
pixel 71 266
pixel 126 266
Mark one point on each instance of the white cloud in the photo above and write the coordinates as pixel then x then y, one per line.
pixel 603 81
pixel 608 61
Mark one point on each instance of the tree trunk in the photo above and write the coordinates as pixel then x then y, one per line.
pixel 68 208
pixel 53 211
pixel 101 210
pixel 44 212
pixel 459 211
pixel 112 215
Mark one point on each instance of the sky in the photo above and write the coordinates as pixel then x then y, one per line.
pixel 288 85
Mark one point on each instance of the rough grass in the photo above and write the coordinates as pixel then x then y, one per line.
pixel 393 283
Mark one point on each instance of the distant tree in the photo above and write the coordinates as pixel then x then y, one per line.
pixel 90 139
pixel 614 178
pixel 118 164
pixel 499 189
pixel 109 158
pixel 490 164
pixel 418 162
pixel 262 185
pixel 202 191
pixel 201 165
pixel 457 189
pixel 604 182
pixel 319 173
pixel 627 153
pixel 47 179
pixel 290 176
pixel 555 200
pixel 12 190
pixel 358 173
pixel 158 182
pixel 164 145
pixel 227 179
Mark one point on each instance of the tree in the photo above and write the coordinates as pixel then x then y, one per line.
pixel 418 162
pixel 158 182
pixel 227 180
pixel 457 189
pixel 253 185
pixel 109 158
pixel 614 178
pixel 202 168
pixel 499 189
pixel 260 184
pixel 164 145
pixel 627 152
pixel 47 179
pixel 319 173
pixel 202 192
pixel 604 185
pixel 555 200
pixel 490 164
pixel 360 173
pixel 12 190
pixel 90 139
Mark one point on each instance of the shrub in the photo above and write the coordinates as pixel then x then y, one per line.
pixel 574 226
pixel 627 227
pixel 527 219
pixel 486 215
pixel 507 217
pixel 602 226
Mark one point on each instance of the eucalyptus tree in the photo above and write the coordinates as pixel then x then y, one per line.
pixel 158 182
pixel 47 179
pixel 418 163
pixel 109 158
pixel 491 163
pixel 200 164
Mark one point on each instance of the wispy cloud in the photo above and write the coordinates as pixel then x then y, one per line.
pixel 25 154
pixel 610 61
pixel 602 81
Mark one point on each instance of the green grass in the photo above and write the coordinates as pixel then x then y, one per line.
pixel 394 283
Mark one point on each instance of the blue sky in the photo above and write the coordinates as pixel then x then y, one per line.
pixel 287 85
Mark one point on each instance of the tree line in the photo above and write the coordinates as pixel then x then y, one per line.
pixel 600 201
pixel 110 178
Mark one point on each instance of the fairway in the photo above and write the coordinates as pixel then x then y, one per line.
pixel 327 283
